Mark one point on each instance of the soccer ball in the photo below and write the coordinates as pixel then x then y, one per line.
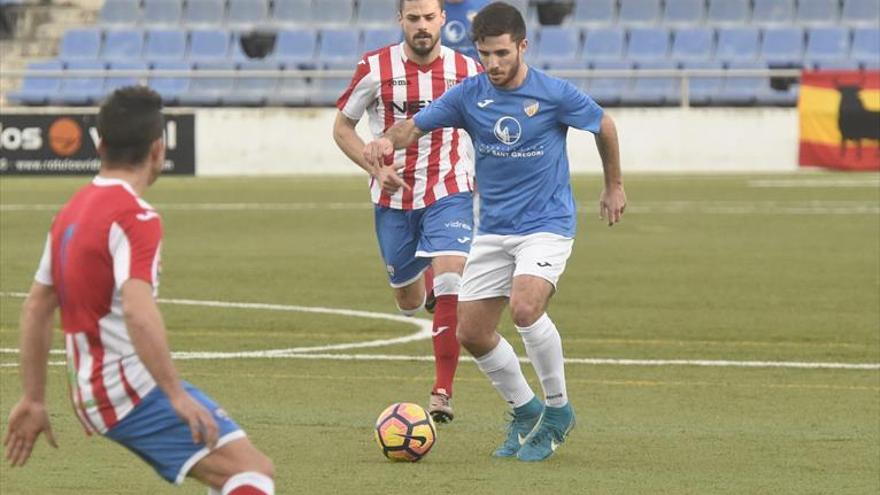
pixel 405 432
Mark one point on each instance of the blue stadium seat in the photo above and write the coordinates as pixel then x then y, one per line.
pixel 165 44
pixel 861 12
pixel 250 90
pixel 654 90
pixel 737 43
pixel 376 13
pixel 693 44
pixel 827 43
pixel 208 45
pixel 837 65
pixel 595 12
pixel 729 11
pixel 375 38
pixel 648 44
pixel 866 45
pixel 684 12
pixel 162 12
pixel 607 90
pixel 292 12
pixel 247 13
pixel 120 12
pixel 114 82
pixel 209 91
pixel 295 48
pixel 639 11
pixel 783 47
pixel 291 91
pixel 813 12
pixel 123 45
pixel 83 89
pixel 558 44
pixel 333 12
pixel 170 87
pixel 339 46
pixel 80 44
pixel 326 91
pixel 701 89
pixel 773 12
pixel 579 81
pixel 204 12
pixel 37 89
pixel 742 90
pixel 603 44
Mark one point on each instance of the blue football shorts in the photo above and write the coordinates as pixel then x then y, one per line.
pixel 409 239
pixel 153 431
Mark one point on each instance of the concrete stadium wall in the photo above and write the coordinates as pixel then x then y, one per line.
pixel 279 141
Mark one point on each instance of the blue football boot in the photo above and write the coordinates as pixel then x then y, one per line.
pixel 522 420
pixel 551 431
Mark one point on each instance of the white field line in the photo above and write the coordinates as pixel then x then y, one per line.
pixel 813 183
pixel 423 333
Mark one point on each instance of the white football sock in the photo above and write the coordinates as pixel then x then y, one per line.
pixel 544 347
pixel 250 479
pixel 502 367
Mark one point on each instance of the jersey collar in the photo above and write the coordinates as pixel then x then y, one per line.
pixel 423 68
pixel 107 182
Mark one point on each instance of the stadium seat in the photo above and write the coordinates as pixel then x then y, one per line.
pixel 247 13
pixel 250 90
pixel 82 89
pixel 607 90
pixel 333 13
pixel 684 12
pixel 577 65
pixel 603 44
pixel 125 45
pixel 702 89
pixel 376 13
pixel 648 44
pixel 113 82
pixel 209 91
pixel 80 44
pixel 326 91
pixel 813 12
pixel 204 12
pixel 292 12
pixel 729 12
pixel 861 12
pixel 170 87
pixel 558 44
pixel 375 38
pixel 165 44
pixel 595 12
pixel 837 65
pixel 291 91
pixel 742 90
pixel 340 47
pixel 162 12
pixel 866 45
pixel 783 47
pixel 737 43
pixel 827 43
pixel 654 91
pixel 773 12
pixel 120 12
pixel 208 45
pixel 36 89
pixel 693 44
pixel 639 12
pixel 295 48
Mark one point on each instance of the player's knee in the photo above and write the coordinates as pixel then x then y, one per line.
pixel 525 313
pixel 447 284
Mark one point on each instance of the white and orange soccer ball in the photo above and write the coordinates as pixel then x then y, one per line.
pixel 405 432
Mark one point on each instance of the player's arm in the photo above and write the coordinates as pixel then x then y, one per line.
pixel 147 331
pixel 348 140
pixel 29 417
pixel 401 135
pixel 612 201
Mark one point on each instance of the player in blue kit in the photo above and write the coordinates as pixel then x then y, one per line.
pixel 518 118
pixel 457 30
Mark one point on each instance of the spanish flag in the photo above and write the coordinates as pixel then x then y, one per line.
pixel 840 120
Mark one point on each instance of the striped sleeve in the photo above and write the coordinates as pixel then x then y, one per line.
pixel 360 92
pixel 134 243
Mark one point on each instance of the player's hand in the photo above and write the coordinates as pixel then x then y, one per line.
pixel 26 421
pixel 376 151
pixel 201 422
pixel 612 203
pixel 389 180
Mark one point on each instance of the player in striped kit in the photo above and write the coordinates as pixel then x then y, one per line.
pixel 100 266
pixel 424 213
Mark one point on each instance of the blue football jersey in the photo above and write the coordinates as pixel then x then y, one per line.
pixel 519 139
pixel 456 33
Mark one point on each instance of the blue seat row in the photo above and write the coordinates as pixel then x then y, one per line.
pixel 737 12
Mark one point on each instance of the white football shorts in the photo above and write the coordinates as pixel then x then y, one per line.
pixel 495 259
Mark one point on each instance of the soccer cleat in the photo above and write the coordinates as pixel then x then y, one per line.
pixel 440 407
pixel 430 302
pixel 551 431
pixel 522 420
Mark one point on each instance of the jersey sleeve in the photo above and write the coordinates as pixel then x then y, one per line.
pixel 579 110
pixel 360 92
pixel 442 112
pixel 44 271
pixel 134 242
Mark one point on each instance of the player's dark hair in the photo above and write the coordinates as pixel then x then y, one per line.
pixel 498 19
pixel 129 122
pixel 400 5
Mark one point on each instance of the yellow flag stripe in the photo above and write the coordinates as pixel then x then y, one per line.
pixel 818 109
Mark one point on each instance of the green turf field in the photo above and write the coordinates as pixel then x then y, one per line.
pixel 703 268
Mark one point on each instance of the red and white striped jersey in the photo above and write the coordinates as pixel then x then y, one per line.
pixel 390 87
pixel 102 237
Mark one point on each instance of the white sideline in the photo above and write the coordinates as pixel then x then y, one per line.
pixel 424 332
